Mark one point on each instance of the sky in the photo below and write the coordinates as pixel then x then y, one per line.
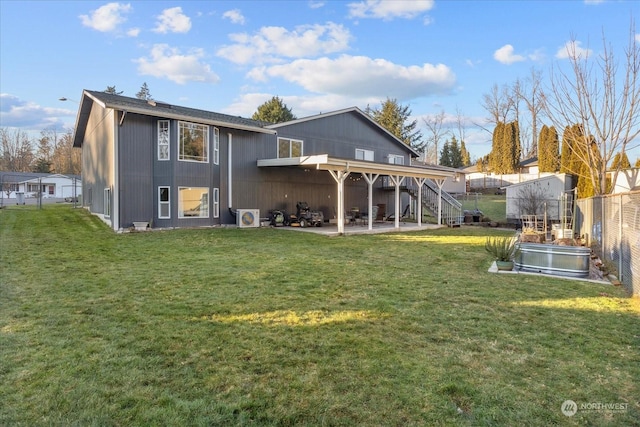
pixel 318 56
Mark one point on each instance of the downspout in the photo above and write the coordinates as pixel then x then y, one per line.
pixel 115 211
pixel 230 174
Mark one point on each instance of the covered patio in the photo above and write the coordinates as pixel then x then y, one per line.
pixel 340 169
pixel 377 228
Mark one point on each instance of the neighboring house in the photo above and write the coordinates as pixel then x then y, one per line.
pixel 172 166
pixel 527 170
pixel 48 185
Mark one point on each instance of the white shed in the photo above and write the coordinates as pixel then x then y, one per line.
pixel 539 197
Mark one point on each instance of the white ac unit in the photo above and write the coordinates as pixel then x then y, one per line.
pixel 248 218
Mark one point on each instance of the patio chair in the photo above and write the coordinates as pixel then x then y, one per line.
pixel 380 214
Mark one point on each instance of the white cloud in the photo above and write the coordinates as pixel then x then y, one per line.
pixel 387 10
pixel 133 32
pixel 29 116
pixel 271 44
pixel 360 76
pixel 170 63
pixel 572 49
pixel 235 16
pixel 173 21
pixel 316 4
pixel 505 55
pixel 106 18
pixel 301 106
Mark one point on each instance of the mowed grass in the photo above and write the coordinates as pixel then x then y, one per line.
pixel 493 206
pixel 268 327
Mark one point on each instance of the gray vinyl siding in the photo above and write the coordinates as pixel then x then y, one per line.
pixel 339 136
pixel 97 159
pixel 135 152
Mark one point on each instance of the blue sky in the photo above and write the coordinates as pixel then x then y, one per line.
pixel 318 56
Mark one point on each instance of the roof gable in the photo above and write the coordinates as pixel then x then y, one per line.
pixel 346 111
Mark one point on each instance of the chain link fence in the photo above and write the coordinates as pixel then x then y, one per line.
pixel 611 226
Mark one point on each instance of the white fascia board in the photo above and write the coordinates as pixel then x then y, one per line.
pixel 324 162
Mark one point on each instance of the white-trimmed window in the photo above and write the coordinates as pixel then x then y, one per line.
pixel 163 139
pixel 164 202
pixel 216 202
pixel 193 142
pixel 216 146
pixel 193 202
pixel 107 202
pixel 396 160
pixel 362 154
pixel 289 148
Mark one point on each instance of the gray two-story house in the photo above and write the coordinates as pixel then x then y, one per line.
pixel 172 166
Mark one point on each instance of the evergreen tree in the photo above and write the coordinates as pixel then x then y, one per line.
pixel 112 90
pixel 273 111
pixel 511 144
pixel 620 161
pixel 393 117
pixel 144 92
pixel 42 165
pixel 466 156
pixel 548 150
pixel 445 155
pixel 495 159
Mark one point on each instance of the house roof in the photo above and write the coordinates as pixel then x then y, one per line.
pixel 20 177
pixel 531 161
pixel 325 162
pixel 344 111
pixel 158 109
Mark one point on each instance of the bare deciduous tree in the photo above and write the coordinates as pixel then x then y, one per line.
pixel 530 91
pixel 16 151
pixel 435 135
pixel 499 104
pixel 604 100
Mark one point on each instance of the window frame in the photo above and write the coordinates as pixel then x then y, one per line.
pixel 290 142
pixel 182 125
pixel 216 146
pixel 396 157
pixel 216 202
pixel 162 203
pixel 164 141
pixel 107 203
pixel 364 154
pixel 181 210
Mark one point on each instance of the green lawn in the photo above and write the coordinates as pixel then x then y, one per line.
pixel 271 327
pixel 492 206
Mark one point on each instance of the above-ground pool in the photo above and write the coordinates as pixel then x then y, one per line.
pixel 570 261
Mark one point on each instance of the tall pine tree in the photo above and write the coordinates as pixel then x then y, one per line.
pixel 394 118
pixel 273 111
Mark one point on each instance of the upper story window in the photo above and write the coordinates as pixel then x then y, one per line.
pixel 289 148
pixel 216 146
pixel 366 155
pixel 396 160
pixel 163 139
pixel 193 142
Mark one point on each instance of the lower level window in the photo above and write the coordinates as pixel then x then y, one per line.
pixel 107 202
pixel 164 203
pixel 193 202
